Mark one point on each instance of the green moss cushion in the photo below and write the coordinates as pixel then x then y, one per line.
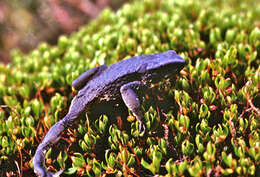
pixel 204 123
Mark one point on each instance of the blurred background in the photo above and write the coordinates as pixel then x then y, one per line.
pixel 26 23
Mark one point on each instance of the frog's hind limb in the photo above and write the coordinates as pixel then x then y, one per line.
pixel 52 137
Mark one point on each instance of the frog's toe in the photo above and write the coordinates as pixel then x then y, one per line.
pixel 141 128
pixel 45 173
pixel 58 173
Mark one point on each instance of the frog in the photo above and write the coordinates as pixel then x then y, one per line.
pixel 123 81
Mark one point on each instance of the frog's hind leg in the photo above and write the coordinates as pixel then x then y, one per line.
pixel 52 137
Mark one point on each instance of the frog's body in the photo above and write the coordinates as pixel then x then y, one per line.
pixel 120 82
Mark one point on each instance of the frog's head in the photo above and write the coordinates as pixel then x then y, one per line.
pixel 163 65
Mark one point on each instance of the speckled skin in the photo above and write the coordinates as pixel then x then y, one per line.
pixel 120 81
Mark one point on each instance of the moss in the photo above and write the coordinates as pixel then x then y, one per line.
pixel 205 123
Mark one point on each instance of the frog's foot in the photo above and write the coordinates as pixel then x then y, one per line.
pixel 57 174
pixel 39 170
pixel 45 173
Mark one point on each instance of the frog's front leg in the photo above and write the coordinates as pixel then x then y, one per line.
pixel 130 98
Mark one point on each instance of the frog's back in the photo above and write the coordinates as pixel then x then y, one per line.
pixel 112 78
pixel 125 67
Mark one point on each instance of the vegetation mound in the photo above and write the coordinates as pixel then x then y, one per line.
pixel 205 123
